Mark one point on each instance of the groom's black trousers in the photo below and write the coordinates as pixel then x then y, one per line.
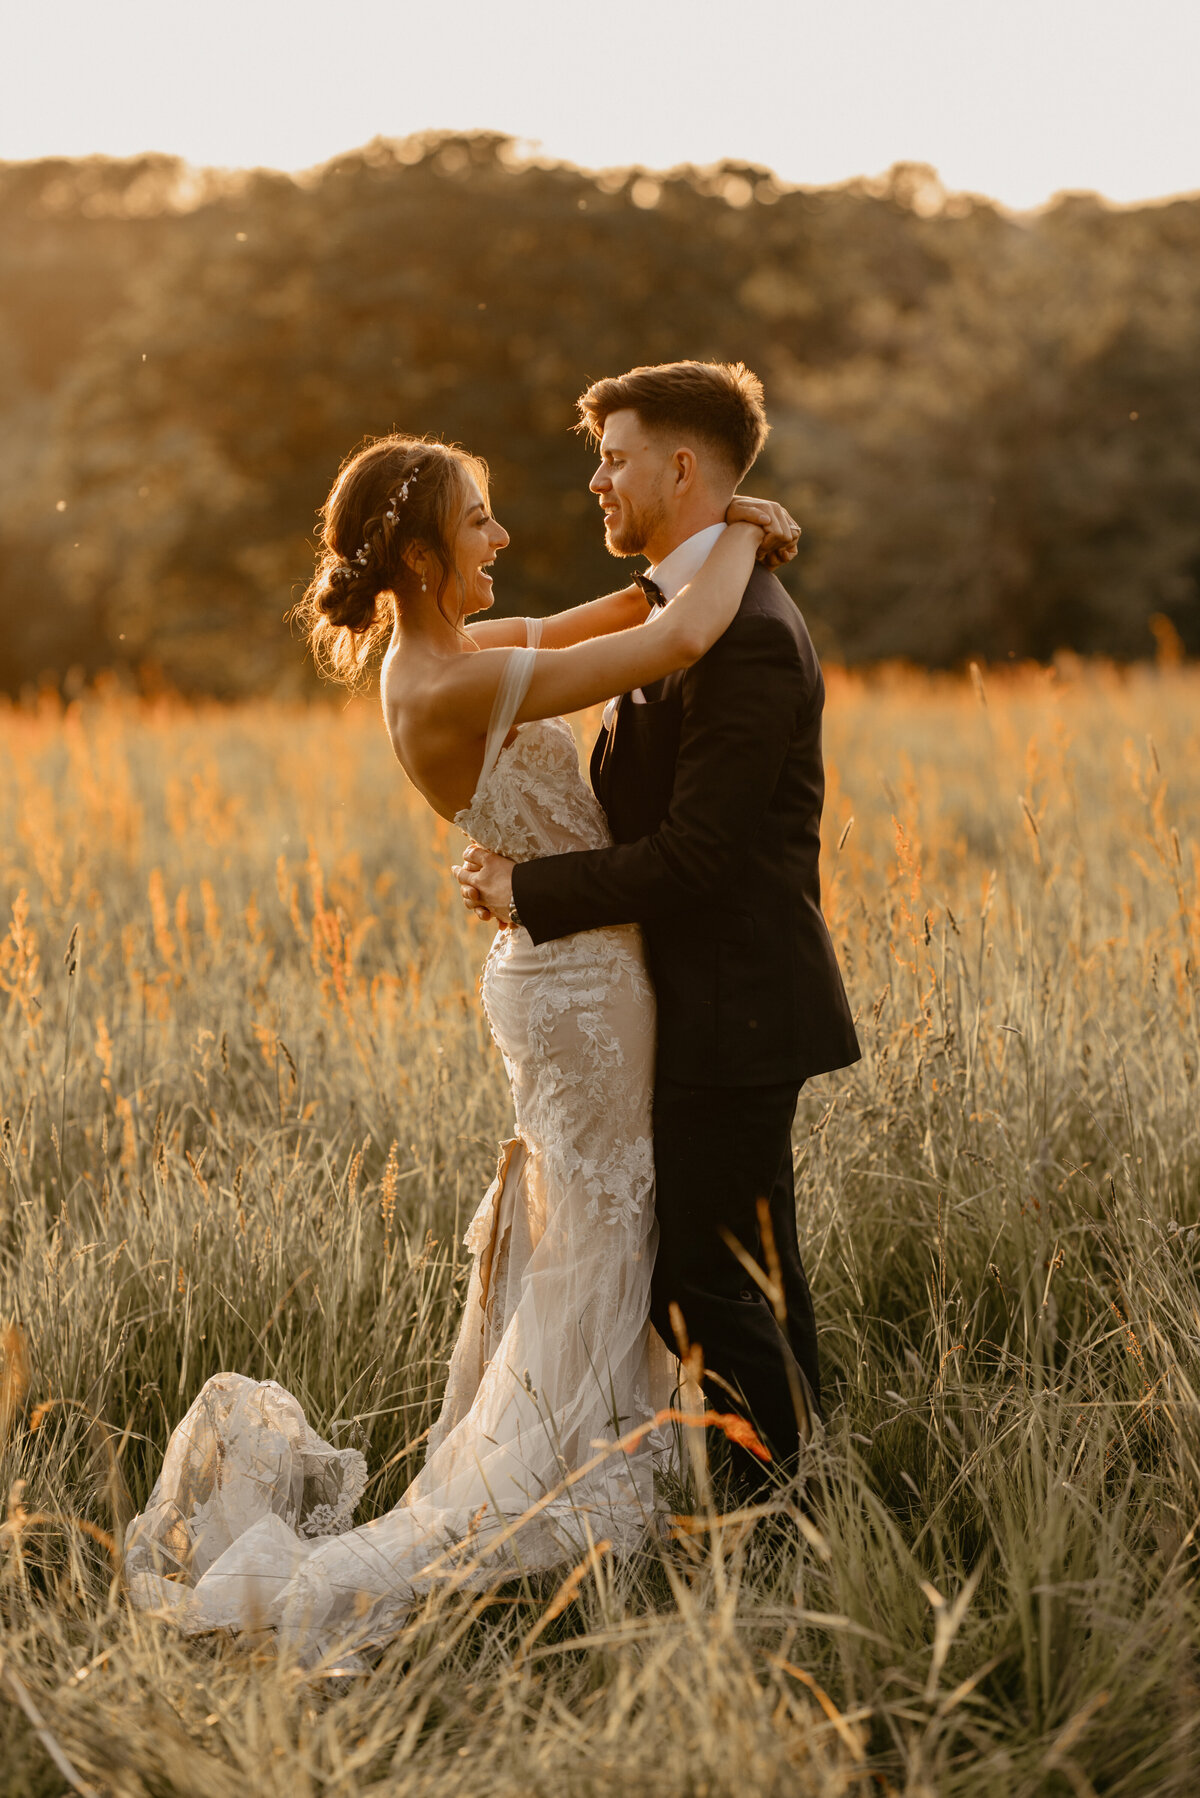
pixel 717 1152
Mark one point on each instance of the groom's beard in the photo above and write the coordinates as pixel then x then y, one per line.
pixel 633 530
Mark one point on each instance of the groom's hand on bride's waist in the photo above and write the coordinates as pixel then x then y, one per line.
pixel 486 883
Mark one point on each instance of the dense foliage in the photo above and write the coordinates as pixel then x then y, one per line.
pixel 990 426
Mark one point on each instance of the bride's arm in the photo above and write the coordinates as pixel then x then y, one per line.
pixel 621 611
pixel 567 680
pixel 594 618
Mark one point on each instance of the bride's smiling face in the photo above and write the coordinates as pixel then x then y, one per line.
pixel 480 539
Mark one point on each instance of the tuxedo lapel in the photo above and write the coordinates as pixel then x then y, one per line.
pixel 633 761
pixel 598 767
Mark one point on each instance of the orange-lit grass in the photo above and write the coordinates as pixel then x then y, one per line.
pixel 248 1130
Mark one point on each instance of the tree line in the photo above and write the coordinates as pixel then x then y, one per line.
pixel 988 425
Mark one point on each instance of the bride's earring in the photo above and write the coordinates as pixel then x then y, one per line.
pixel 424 589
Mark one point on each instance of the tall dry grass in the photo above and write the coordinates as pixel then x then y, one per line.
pixel 248 1104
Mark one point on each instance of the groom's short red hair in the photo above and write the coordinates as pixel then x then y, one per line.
pixel 719 402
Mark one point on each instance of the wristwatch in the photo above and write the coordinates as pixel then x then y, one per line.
pixel 514 916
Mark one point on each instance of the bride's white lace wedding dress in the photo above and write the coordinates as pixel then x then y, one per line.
pixel 249 1522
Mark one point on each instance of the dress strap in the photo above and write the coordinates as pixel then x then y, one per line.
pixel 533 631
pixel 514 684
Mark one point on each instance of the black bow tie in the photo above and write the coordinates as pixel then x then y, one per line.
pixel 654 594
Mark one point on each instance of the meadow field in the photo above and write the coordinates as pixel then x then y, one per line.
pixel 249 1103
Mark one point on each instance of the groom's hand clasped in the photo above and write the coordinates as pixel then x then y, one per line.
pixel 486 883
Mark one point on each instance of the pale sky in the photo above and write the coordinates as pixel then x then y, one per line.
pixel 1012 98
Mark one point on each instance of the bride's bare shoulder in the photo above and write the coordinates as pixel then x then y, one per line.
pixel 444 694
pixel 431 730
pixel 412 682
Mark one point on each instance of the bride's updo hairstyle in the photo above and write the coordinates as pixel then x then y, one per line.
pixel 394 494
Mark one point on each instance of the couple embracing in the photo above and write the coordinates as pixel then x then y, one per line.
pixel 661 988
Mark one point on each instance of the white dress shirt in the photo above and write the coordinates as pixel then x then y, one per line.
pixel 671 576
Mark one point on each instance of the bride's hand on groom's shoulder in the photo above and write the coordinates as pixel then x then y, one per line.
pixel 781 533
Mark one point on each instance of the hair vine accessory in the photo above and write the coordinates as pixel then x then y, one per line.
pixel 400 496
pixel 362 554
pixel 348 569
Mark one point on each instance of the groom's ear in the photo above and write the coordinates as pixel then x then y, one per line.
pixel 684 470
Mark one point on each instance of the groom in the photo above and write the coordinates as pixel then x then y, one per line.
pixel 712 782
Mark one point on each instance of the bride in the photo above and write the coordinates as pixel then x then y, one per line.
pixel 248 1525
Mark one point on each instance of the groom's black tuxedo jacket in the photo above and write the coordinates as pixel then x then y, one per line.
pixel 713 791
